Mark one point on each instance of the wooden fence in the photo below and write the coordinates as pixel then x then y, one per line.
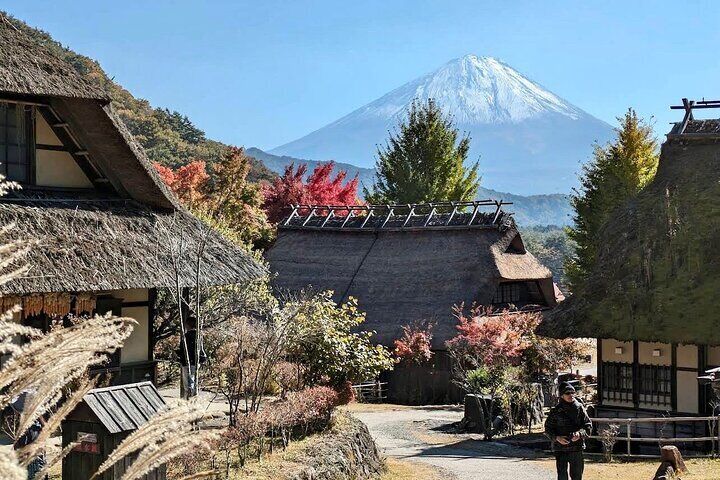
pixel 713 424
pixel 370 392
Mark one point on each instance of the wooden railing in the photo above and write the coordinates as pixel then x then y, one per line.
pixel 370 392
pixel 409 216
pixel 713 423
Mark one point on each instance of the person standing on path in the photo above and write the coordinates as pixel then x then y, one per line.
pixel 567 425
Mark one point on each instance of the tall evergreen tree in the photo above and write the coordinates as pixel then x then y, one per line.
pixel 617 172
pixel 424 161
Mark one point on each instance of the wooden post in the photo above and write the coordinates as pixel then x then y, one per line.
pixel 307 219
pixel 474 214
pixel 628 436
pixel 599 362
pixel 673 379
pixel 636 374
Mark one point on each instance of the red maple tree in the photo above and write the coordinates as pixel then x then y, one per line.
pixel 321 188
pixel 415 345
pixel 187 182
pixel 490 337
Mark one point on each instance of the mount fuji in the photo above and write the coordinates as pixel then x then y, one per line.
pixel 527 139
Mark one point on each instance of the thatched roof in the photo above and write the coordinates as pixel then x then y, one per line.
pixel 27 67
pixel 658 272
pixel 89 242
pixel 403 275
pixel 111 237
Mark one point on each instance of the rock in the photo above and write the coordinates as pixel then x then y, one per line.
pixel 346 452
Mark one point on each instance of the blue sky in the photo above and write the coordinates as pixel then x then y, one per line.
pixel 264 73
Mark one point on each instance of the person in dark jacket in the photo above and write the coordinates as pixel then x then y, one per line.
pixel 567 425
pixel 187 370
pixel 37 464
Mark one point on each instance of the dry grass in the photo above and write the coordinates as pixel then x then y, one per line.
pixel 288 460
pixel 405 470
pixel 699 469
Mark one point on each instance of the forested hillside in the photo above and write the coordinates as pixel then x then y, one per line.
pixel 532 210
pixel 169 137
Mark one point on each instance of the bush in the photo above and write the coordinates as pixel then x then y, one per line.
pixel 415 345
pixel 346 394
pixel 478 380
pixel 330 348
pixel 288 376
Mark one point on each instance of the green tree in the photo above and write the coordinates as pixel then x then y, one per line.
pixel 330 347
pixel 617 172
pixel 424 161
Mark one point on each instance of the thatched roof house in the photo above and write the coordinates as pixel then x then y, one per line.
pixel 650 301
pixel 103 220
pixel 408 263
pixel 659 268
pixel 105 224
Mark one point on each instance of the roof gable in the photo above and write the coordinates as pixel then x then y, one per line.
pixel 658 270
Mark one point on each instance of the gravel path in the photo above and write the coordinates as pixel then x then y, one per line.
pixel 423 434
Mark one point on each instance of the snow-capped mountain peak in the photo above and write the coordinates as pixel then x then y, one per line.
pixel 528 139
pixel 474 90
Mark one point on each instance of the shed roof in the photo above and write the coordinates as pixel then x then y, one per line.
pixel 401 276
pixel 29 67
pixel 125 407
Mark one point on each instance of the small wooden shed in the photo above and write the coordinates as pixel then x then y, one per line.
pixel 101 421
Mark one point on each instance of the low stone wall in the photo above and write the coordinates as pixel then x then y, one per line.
pixel 346 452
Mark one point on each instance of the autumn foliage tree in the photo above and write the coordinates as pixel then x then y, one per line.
pixel 498 354
pixel 225 199
pixel 321 188
pixel 187 182
pixel 617 172
pixel 415 344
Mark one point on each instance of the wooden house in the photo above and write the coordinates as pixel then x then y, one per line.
pixel 94 203
pixel 411 263
pixel 650 301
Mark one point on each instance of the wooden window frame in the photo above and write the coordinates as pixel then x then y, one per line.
pixel 617 382
pixel 504 293
pixel 655 385
pixel 29 112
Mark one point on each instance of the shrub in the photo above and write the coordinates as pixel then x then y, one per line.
pixel 415 344
pixel 288 376
pixel 330 348
pixel 346 394
pixel 608 438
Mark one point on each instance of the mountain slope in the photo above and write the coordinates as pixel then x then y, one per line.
pixel 551 209
pixel 527 139
pixel 168 137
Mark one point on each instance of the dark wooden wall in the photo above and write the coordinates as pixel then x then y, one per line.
pixel 428 384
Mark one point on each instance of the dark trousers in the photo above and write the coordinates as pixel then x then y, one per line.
pixel 574 460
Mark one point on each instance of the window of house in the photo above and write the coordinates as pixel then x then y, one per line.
pixel 16 142
pixel 534 293
pixel 507 293
pixel 617 381
pixel 655 385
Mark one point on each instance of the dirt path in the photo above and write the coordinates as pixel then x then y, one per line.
pixel 422 434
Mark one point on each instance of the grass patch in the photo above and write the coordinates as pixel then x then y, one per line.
pixel 405 470
pixel 700 469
